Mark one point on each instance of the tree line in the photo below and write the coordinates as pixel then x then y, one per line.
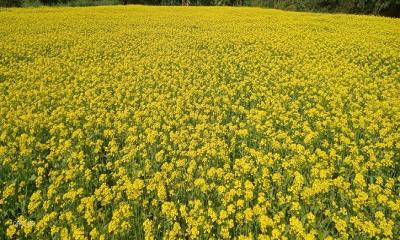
pixel 377 7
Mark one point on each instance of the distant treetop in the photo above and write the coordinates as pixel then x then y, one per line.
pixel 389 8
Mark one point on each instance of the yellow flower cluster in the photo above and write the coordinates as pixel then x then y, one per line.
pixel 134 122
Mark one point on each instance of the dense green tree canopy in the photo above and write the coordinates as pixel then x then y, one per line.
pixel 378 7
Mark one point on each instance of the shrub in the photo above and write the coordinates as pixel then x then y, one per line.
pixel 31 3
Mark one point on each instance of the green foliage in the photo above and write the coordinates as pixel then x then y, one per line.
pixel 31 3
pixel 349 6
pixel 10 3
pixel 376 7
pixel 76 3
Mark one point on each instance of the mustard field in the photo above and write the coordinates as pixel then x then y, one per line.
pixel 135 122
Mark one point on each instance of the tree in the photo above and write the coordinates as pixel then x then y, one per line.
pixel 10 3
